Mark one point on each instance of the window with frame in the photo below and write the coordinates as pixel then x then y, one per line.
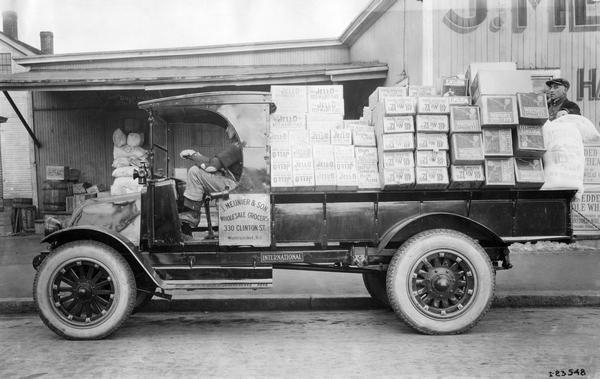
pixel 5 63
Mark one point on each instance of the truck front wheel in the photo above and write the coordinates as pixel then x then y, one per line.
pixel 375 285
pixel 84 290
pixel 440 282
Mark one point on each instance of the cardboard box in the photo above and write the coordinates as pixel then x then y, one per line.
pixel 497 142
pixel 396 124
pixel 302 167
pixel 433 105
pixel 286 121
pixel 367 115
pixel 464 118
pixel 431 177
pixel 319 136
pixel 499 172
pixel 396 106
pixel 363 136
pixel 528 141
pixel 591 174
pixel 279 138
pixel 432 141
pixel 326 99
pixel 415 90
pixel 324 167
pixel 57 172
pixel 500 82
pixel 432 123
pixel 365 154
pixel 466 176
pixel 324 121
pixel 529 172
pixel 397 159
pixel 368 176
pixel 430 158
pixel 281 162
pixel 351 124
pixel 498 110
pixel 397 142
pixel 381 93
pixel 533 108
pixel 300 137
pixel 454 86
pixel 459 100
pixel 341 136
pixel 466 148
pixel 345 166
pixel 397 178
pixel 290 99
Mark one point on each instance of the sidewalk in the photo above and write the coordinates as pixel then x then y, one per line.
pixel 556 275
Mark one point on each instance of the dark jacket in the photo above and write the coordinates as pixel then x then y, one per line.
pixel 562 105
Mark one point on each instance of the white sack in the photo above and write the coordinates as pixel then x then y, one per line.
pixel 121 162
pixel 588 131
pixel 119 138
pixel 123 185
pixel 126 172
pixel 135 139
pixel 564 160
pixel 124 151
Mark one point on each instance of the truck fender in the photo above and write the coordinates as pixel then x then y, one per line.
pixel 109 237
pixel 416 224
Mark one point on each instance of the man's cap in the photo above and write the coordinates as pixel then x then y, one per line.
pixel 559 81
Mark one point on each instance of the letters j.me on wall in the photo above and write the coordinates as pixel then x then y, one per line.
pixel 578 15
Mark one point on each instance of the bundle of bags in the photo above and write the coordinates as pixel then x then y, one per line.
pixel 127 154
pixel 564 159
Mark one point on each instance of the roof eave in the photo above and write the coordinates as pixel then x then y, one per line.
pixel 374 10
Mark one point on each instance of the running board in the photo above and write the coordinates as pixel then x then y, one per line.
pixel 216 284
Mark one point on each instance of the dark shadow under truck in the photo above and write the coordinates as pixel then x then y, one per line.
pixel 432 255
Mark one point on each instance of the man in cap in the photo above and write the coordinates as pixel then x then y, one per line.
pixel 558 104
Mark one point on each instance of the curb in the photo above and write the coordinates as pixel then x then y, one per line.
pixel 309 303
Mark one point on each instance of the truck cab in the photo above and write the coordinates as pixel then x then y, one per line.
pixel 429 254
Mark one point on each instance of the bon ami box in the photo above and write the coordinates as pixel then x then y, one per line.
pixel 434 123
pixel 396 124
pixel 528 141
pixel 529 172
pixel 466 148
pixel 397 159
pixel 431 177
pixel 499 172
pixel 464 118
pixel 416 90
pixel 459 100
pixel 365 154
pixel 398 141
pixel 497 142
pixel 533 108
pixel 431 158
pixel 466 176
pixel 433 105
pixel 432 141
pixel 324 166
pixel 498 110
pixel 363 136
pixel 396 178
pixel 368 175
pixel 382 93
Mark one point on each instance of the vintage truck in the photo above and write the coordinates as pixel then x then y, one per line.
pixel 430 255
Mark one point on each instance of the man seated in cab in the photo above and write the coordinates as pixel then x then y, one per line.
pixel 210 174
pixel 558 104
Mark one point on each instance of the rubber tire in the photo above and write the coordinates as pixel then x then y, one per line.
pixel 411 252
pixel 375 283
pixel 121 275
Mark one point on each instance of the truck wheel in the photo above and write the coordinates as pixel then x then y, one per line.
pixel 375 285
pixel 440 282
pixel 84 290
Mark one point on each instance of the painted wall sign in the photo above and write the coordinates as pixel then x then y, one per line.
pixel 245 220
pixel 584 15
pixel 586 215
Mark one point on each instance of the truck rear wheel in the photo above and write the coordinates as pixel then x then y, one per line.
pixel 84 290
pixel 440 282
pixel 375 285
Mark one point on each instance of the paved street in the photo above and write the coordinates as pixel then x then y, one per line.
pixel 524 342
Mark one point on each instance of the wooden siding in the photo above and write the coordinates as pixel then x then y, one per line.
pixel 317 55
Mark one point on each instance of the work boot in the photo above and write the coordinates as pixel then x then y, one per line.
pixel 190 218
